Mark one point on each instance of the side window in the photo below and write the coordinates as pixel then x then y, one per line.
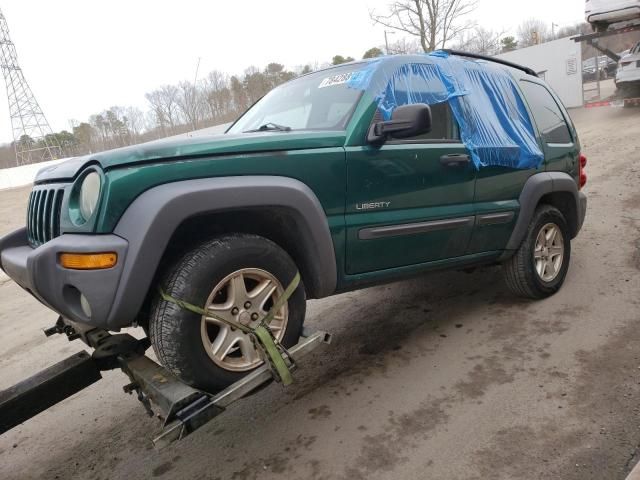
pixel 443 126
pixel 547 114
pixel 411 87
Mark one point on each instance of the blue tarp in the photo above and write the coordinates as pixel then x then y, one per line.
pixel 485 101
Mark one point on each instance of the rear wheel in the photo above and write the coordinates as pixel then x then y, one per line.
pixel 235 277
pixel 539 267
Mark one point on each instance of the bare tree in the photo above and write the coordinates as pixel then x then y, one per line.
pixel 239 94
pixel 434 22
pixel 256 84
pixel 164 103
pixel 150 121
pixel 217 94
pixel 532 32
pixel 136 122
pixel 190 104
pixel 118 125
pixel 481 40
pixel 404 46
pixel 98 123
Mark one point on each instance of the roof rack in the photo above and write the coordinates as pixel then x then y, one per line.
pixel 477 56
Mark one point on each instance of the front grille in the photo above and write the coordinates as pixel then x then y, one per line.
pixel 43 214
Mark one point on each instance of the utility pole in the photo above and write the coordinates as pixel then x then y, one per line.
pixel 195 78
pixel 32 136
pixel 386 40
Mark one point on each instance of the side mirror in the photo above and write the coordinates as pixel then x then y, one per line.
pixel 406 121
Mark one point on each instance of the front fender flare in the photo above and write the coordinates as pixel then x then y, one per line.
pixel 150 221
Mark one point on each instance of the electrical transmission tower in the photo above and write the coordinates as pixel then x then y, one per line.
pixel 32 135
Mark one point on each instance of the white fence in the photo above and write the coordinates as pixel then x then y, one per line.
pixel 24 175
pixel 20 176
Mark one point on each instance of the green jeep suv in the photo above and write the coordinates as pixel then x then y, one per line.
pixel 352 176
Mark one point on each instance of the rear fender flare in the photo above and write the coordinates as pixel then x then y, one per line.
pixel 536 187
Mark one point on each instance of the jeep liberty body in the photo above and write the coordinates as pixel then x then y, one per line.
pixel 313 178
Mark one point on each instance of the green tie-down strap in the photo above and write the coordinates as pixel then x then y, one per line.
pixel 277 356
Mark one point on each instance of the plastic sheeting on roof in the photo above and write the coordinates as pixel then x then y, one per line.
pixel 485 101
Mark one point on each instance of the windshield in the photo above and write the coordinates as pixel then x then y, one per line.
pixel 319 101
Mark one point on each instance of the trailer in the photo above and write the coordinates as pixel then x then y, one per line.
pixel 593 39
pixel 181 408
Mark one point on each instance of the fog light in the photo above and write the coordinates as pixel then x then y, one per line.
pixel 88 261
pixel 84 304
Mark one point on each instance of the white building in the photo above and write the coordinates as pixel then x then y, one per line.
pixel 559 63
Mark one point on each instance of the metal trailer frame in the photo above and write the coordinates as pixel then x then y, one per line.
pixel 182 408
pixel 592 39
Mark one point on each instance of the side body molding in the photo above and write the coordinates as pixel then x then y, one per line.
pixel 150 221
pixel 535 188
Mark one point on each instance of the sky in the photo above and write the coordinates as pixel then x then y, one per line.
pixel 83 56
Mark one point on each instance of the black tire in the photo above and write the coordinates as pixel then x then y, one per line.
pixel 520 270
pixel 175 333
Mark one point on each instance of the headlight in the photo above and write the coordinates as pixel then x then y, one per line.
pixel 89 195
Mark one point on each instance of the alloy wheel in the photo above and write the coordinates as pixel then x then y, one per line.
pixel 244 296
pixel 548 254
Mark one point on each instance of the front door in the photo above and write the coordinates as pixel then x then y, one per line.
pixel 409 201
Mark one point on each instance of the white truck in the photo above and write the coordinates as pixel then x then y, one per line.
pixel 628 74
pixel 602 13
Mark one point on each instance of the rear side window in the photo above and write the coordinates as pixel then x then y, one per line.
pixel 547 114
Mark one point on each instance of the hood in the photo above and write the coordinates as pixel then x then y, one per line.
pixel 193 147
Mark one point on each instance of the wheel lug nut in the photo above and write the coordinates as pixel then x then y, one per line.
pixel 234 311
pixel 254 316
pixel 247 305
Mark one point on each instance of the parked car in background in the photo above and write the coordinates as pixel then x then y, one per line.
pixel 607 68
pixel 628 74
pixel 602 13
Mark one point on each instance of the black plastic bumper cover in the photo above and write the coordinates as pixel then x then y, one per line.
pixel 38 271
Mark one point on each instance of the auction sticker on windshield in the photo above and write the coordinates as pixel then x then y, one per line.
pixel 337 79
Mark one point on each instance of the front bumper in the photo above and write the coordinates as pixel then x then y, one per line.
pixel 629 75
pixel 38 271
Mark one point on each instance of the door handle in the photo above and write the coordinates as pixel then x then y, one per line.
pixel 455 160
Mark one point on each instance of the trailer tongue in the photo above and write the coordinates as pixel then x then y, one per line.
pixel 181 408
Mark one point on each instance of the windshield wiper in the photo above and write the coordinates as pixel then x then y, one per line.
pixel 270 127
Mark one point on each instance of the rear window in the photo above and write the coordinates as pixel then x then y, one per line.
pixel 546 113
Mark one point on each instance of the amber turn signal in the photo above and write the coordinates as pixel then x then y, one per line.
pixel 88 261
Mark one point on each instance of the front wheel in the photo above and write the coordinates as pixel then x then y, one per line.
pixel 539 267
pixel 235 277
